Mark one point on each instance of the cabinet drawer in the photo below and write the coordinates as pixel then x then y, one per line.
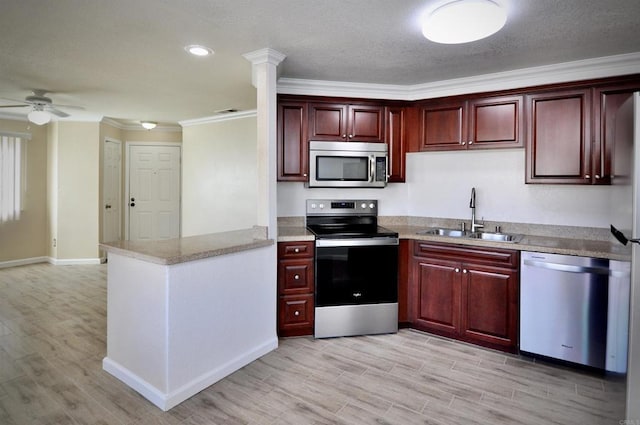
pixel 476 255
pixel 295 276
pixel 288 250
pixel 295 315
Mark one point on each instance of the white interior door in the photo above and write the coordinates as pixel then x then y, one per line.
pixel 111 191
pixel 154 192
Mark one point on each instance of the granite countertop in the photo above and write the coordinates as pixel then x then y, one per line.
pixel 539 243
pixel 182 250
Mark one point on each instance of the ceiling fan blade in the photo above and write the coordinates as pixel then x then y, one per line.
pixel 57 105
pixel 13 106
pixel 57 112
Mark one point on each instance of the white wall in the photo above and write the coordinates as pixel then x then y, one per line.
pixel 438 184
pixel 219 189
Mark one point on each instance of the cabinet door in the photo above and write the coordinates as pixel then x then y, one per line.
pixel 612 151
pixel 496 122
pixel 436 295
pixel 327 121
pixel 365 123
pixel 443 126
pixel 558 143
pixel 395 140
pixel 295 315
pixel 293 155
pixel 295 276
pixel 490 306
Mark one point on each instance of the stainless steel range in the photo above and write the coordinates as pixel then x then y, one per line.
pixel 356 269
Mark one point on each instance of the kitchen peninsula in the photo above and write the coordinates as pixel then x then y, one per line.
pixel 184 313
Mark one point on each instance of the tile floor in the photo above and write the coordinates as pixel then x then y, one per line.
pixel 53 339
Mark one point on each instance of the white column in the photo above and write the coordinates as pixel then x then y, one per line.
pixel 264 78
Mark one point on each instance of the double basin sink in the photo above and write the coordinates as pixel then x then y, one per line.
pixel 485 236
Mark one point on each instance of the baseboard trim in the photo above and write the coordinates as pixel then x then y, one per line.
pixel 168 400
pixel 73 261
pixel 23 262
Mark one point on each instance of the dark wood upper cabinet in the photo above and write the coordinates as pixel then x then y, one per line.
pixel 559 138
pixel 292 142
pixel 611 152
pixel 495 122
pixel 346 122
pixel 395 138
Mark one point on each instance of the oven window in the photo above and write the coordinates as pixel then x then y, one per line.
pixel 356 275
pixel 351 168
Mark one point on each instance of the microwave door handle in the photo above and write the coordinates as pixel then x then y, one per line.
pixel 372 164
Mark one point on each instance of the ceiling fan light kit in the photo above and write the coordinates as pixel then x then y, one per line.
pixel 464 21
pixel 149 125
pixel 39 117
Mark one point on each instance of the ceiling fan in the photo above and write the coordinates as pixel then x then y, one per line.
pixel 41 107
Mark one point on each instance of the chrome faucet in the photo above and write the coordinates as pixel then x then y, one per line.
pixel 472 204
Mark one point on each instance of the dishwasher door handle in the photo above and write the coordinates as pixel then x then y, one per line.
pixel 575 269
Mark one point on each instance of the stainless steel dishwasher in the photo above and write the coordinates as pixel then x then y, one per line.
pixel 575 309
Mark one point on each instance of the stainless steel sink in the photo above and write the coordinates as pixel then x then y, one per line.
pixel 499 237
pixel 485 236
pixel 452 233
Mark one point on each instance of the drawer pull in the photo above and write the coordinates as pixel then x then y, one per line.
pixel 296 277
pixel 296 313
pixel 296 250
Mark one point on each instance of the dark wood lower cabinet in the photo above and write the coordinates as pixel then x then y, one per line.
pixel 296 305
pixel 465 293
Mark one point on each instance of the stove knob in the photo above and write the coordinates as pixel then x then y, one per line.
pixel 372 205
pixel 313 206
pixel 364 206
pixel 321 206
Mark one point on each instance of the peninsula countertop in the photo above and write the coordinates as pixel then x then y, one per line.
pixel 182 250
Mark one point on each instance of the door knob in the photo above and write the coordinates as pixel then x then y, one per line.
pixel 108 206
pixel 133 204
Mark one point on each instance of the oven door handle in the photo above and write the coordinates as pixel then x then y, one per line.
pixel 334 243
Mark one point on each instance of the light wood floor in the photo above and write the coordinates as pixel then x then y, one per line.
pixel 52 341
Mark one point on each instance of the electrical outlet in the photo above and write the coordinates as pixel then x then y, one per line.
pixel 55 242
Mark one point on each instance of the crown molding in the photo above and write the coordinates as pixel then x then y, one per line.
pixel 608 66
pixel 167 128
pixel 219 118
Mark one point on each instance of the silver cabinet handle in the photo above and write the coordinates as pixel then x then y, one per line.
pixel 464 271
pixel 597 176
pixel 457 270
pixel 296 250
pixel 587 176
pixel 296 277
pixel 471 142
pixel 296 313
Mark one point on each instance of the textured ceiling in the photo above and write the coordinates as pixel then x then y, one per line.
pixel 124 59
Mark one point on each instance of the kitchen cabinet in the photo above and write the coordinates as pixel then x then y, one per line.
pixel 292 141
pixel 404 260
pixel 474 123
pixel 346 122
pixel 395 138
pixel 610 159
pixel 295 288
pixel 559 138
pixel 467 293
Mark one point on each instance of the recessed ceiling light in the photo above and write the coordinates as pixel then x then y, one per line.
pixel 197 50
pixel 463 21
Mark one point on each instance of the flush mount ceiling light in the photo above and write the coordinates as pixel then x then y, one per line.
pixel 39 116
pixel 197 50
pixel 463 21
pixel 149 125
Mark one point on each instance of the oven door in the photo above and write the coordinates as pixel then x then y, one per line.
pixel 356 271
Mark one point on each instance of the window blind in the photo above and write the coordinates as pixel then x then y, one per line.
pixel 11 176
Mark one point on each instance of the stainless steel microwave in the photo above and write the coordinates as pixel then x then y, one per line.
pixel 348 164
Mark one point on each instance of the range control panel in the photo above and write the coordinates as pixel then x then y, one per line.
pixel 342 207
